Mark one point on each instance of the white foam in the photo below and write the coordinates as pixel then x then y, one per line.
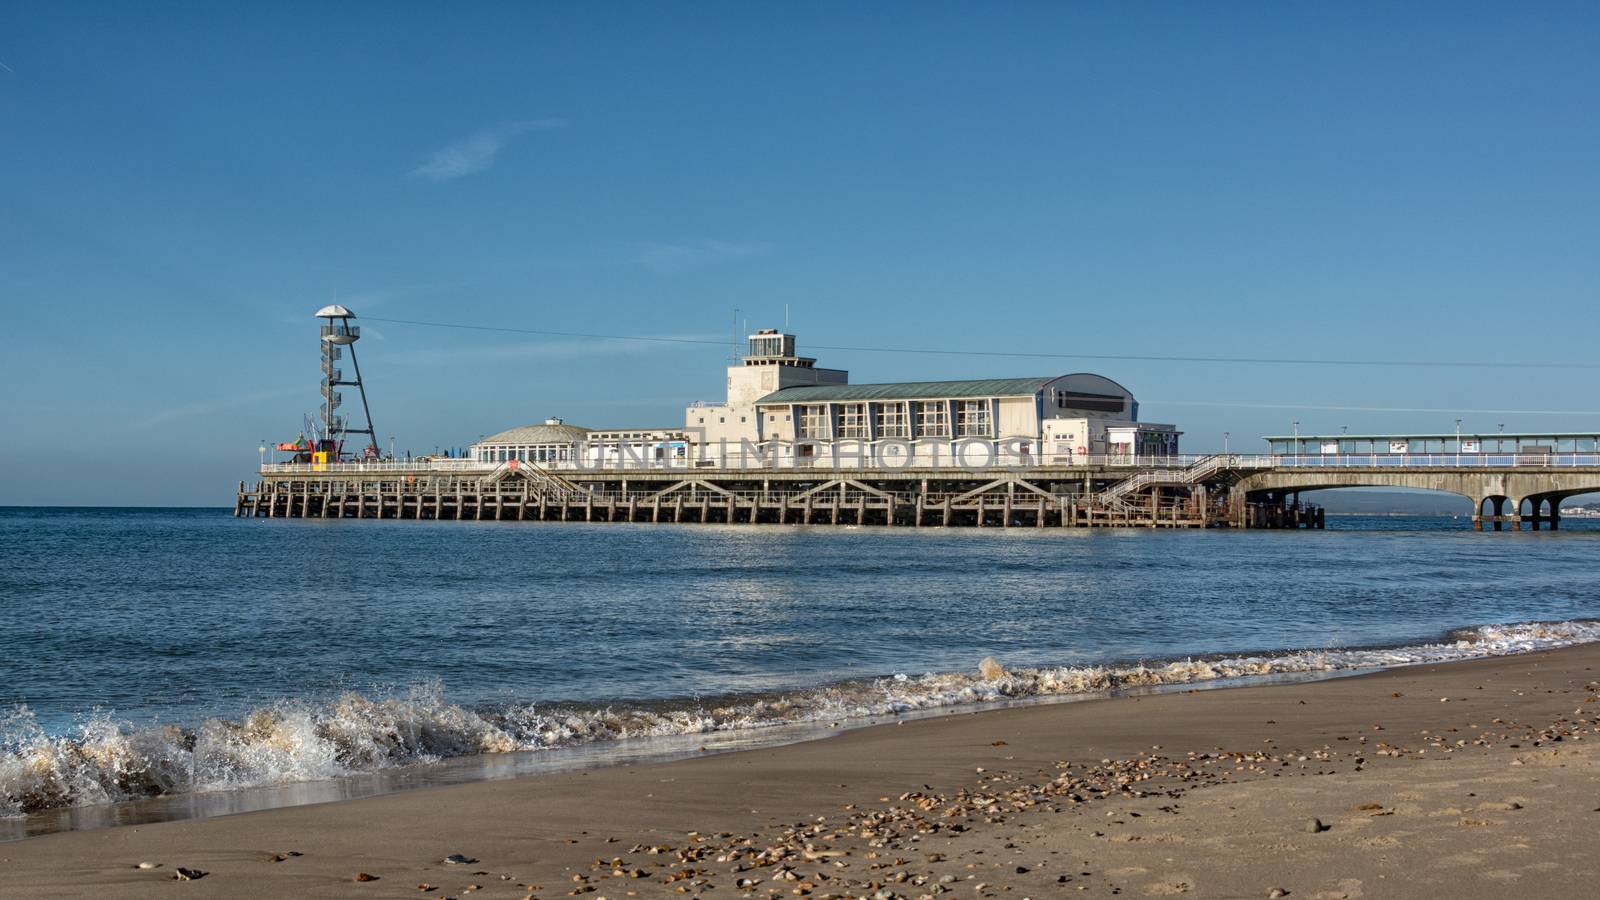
pixel 106 761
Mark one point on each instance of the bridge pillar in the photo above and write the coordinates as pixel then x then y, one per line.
pixel 1555 513
pixel 1535 518
pixel 1499 512
pixel 1477 515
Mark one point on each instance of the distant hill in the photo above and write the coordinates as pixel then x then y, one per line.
pixel 1373 502
pixel 1380 501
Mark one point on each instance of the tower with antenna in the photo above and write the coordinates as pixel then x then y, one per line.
pixel 338 335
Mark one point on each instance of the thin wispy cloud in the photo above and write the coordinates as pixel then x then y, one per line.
pixel 220 404
pixel 541 351
pixel 478 152
pixel 688 256
pixel 364 300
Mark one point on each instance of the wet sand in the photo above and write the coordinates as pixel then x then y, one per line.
pixel 1478 778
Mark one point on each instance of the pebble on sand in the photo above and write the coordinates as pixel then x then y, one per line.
pixel 1313 826
pixel 459 859
pixel 364 876
pixel 182 874
pixel 148 865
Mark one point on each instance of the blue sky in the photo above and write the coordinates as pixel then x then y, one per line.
pixel 181 190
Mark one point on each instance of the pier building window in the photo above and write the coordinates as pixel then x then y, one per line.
pixel 972 417
pixel 933 419
pixel 814 421
pixel 892 420
pixel 852 420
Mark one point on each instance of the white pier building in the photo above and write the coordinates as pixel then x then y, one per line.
pixel 782 409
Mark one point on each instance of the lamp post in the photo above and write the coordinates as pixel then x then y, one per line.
pixel 1297 442
pixel 391 446
pixel 263 449
pixel 1458 442
pixel 1225 435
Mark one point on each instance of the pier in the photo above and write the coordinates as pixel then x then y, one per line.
pixel 794 443
pixel 1053 497
pixel 1222 490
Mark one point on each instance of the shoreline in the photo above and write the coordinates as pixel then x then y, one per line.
pixel 549 830
pixel 525 764
pixel 608 734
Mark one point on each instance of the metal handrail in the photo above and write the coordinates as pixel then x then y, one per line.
pixel 1153 468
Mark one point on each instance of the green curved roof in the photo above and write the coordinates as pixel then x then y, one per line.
pixel 909 390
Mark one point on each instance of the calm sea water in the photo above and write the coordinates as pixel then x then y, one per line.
pixel 288 650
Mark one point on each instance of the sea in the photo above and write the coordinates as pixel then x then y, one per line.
pixel 167 663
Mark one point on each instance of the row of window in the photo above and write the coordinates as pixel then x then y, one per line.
pixel 919 418
pixel 554 453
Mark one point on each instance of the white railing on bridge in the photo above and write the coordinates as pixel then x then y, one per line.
pixel 1436 461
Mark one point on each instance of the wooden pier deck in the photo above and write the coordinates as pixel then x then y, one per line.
pixel 999 499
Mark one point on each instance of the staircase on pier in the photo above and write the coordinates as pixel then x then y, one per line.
pixel 1206 469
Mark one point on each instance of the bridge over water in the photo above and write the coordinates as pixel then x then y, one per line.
pixel 1510 478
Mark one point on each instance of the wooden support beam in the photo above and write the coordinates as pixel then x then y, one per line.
pixel 867 489
pixel 670 488
pixel 977 491
pixel 807 494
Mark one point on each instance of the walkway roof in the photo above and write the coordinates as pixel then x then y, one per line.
pixel 1445 436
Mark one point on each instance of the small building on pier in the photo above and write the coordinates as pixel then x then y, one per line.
pixel 556 444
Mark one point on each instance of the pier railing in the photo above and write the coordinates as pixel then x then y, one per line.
pixel 737 462
pixel 1210 463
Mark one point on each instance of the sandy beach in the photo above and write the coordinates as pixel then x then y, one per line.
pixel 1479 778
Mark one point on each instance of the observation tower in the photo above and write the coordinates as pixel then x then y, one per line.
pixel 338 335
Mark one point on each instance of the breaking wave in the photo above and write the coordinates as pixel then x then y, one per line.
pixel 105 760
